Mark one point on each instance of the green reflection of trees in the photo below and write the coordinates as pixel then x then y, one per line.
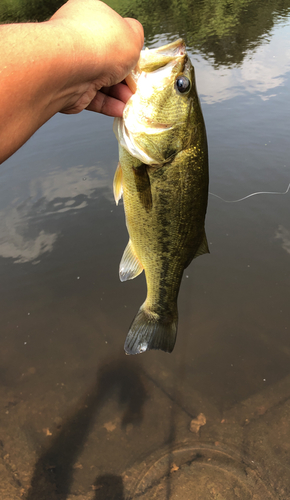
pixel 223 30
pixel 12 11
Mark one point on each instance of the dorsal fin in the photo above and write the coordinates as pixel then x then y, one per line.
pixel 202 249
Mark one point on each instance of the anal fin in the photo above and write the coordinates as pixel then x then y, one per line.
pixel 130 265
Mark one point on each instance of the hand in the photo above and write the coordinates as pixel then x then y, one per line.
pixel 107 48
pixel 76 60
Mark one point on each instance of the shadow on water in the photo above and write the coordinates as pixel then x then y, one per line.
pixel 53 474
pixel 109 487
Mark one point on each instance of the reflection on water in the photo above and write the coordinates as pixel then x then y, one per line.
pixel 221 30
pixel 56 192
pixel 284 235
pixel 262 74
pixel 79 419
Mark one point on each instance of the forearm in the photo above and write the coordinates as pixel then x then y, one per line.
pixel 61 65
pixel 36 79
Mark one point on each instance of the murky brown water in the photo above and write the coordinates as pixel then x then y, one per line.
pixel 79 419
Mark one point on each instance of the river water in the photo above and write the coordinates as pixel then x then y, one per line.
pixel 211 421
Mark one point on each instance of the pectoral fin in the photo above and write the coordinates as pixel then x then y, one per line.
pixel 130 265
pixel 117 184
pixel 143 186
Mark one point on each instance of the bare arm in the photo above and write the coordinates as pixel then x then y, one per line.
pixel 71 62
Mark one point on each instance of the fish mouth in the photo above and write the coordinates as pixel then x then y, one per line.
pixel 154 59
pixel 172 49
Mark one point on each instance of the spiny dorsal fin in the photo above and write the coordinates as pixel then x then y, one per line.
pixel 117 184
pixel 130 265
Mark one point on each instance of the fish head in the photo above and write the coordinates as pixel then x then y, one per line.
pixel 160 118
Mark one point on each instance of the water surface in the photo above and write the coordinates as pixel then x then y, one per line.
pixel 79 419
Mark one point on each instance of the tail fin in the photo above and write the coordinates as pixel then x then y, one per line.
pixel 150 331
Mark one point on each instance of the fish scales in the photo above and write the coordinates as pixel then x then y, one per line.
pixel 165 200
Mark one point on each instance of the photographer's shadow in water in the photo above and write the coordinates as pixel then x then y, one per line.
pixel 53 474
pixel 109 487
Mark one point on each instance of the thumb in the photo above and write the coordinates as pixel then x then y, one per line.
pixel 138 31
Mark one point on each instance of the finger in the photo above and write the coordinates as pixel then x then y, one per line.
pixel 138 30
pixel 119 91
pixel 107 105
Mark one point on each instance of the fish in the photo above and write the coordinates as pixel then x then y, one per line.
pixel 162 175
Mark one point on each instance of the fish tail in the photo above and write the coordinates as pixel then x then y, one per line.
pixel 151 331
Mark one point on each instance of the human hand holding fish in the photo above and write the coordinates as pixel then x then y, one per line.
pixel 74 61
pixel 77 60
pixel 106 48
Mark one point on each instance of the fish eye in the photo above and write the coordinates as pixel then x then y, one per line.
pixel 182 84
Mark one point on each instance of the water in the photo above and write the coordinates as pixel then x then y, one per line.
pixel 79 419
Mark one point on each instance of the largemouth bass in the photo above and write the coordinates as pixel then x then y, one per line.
pixel 163 177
